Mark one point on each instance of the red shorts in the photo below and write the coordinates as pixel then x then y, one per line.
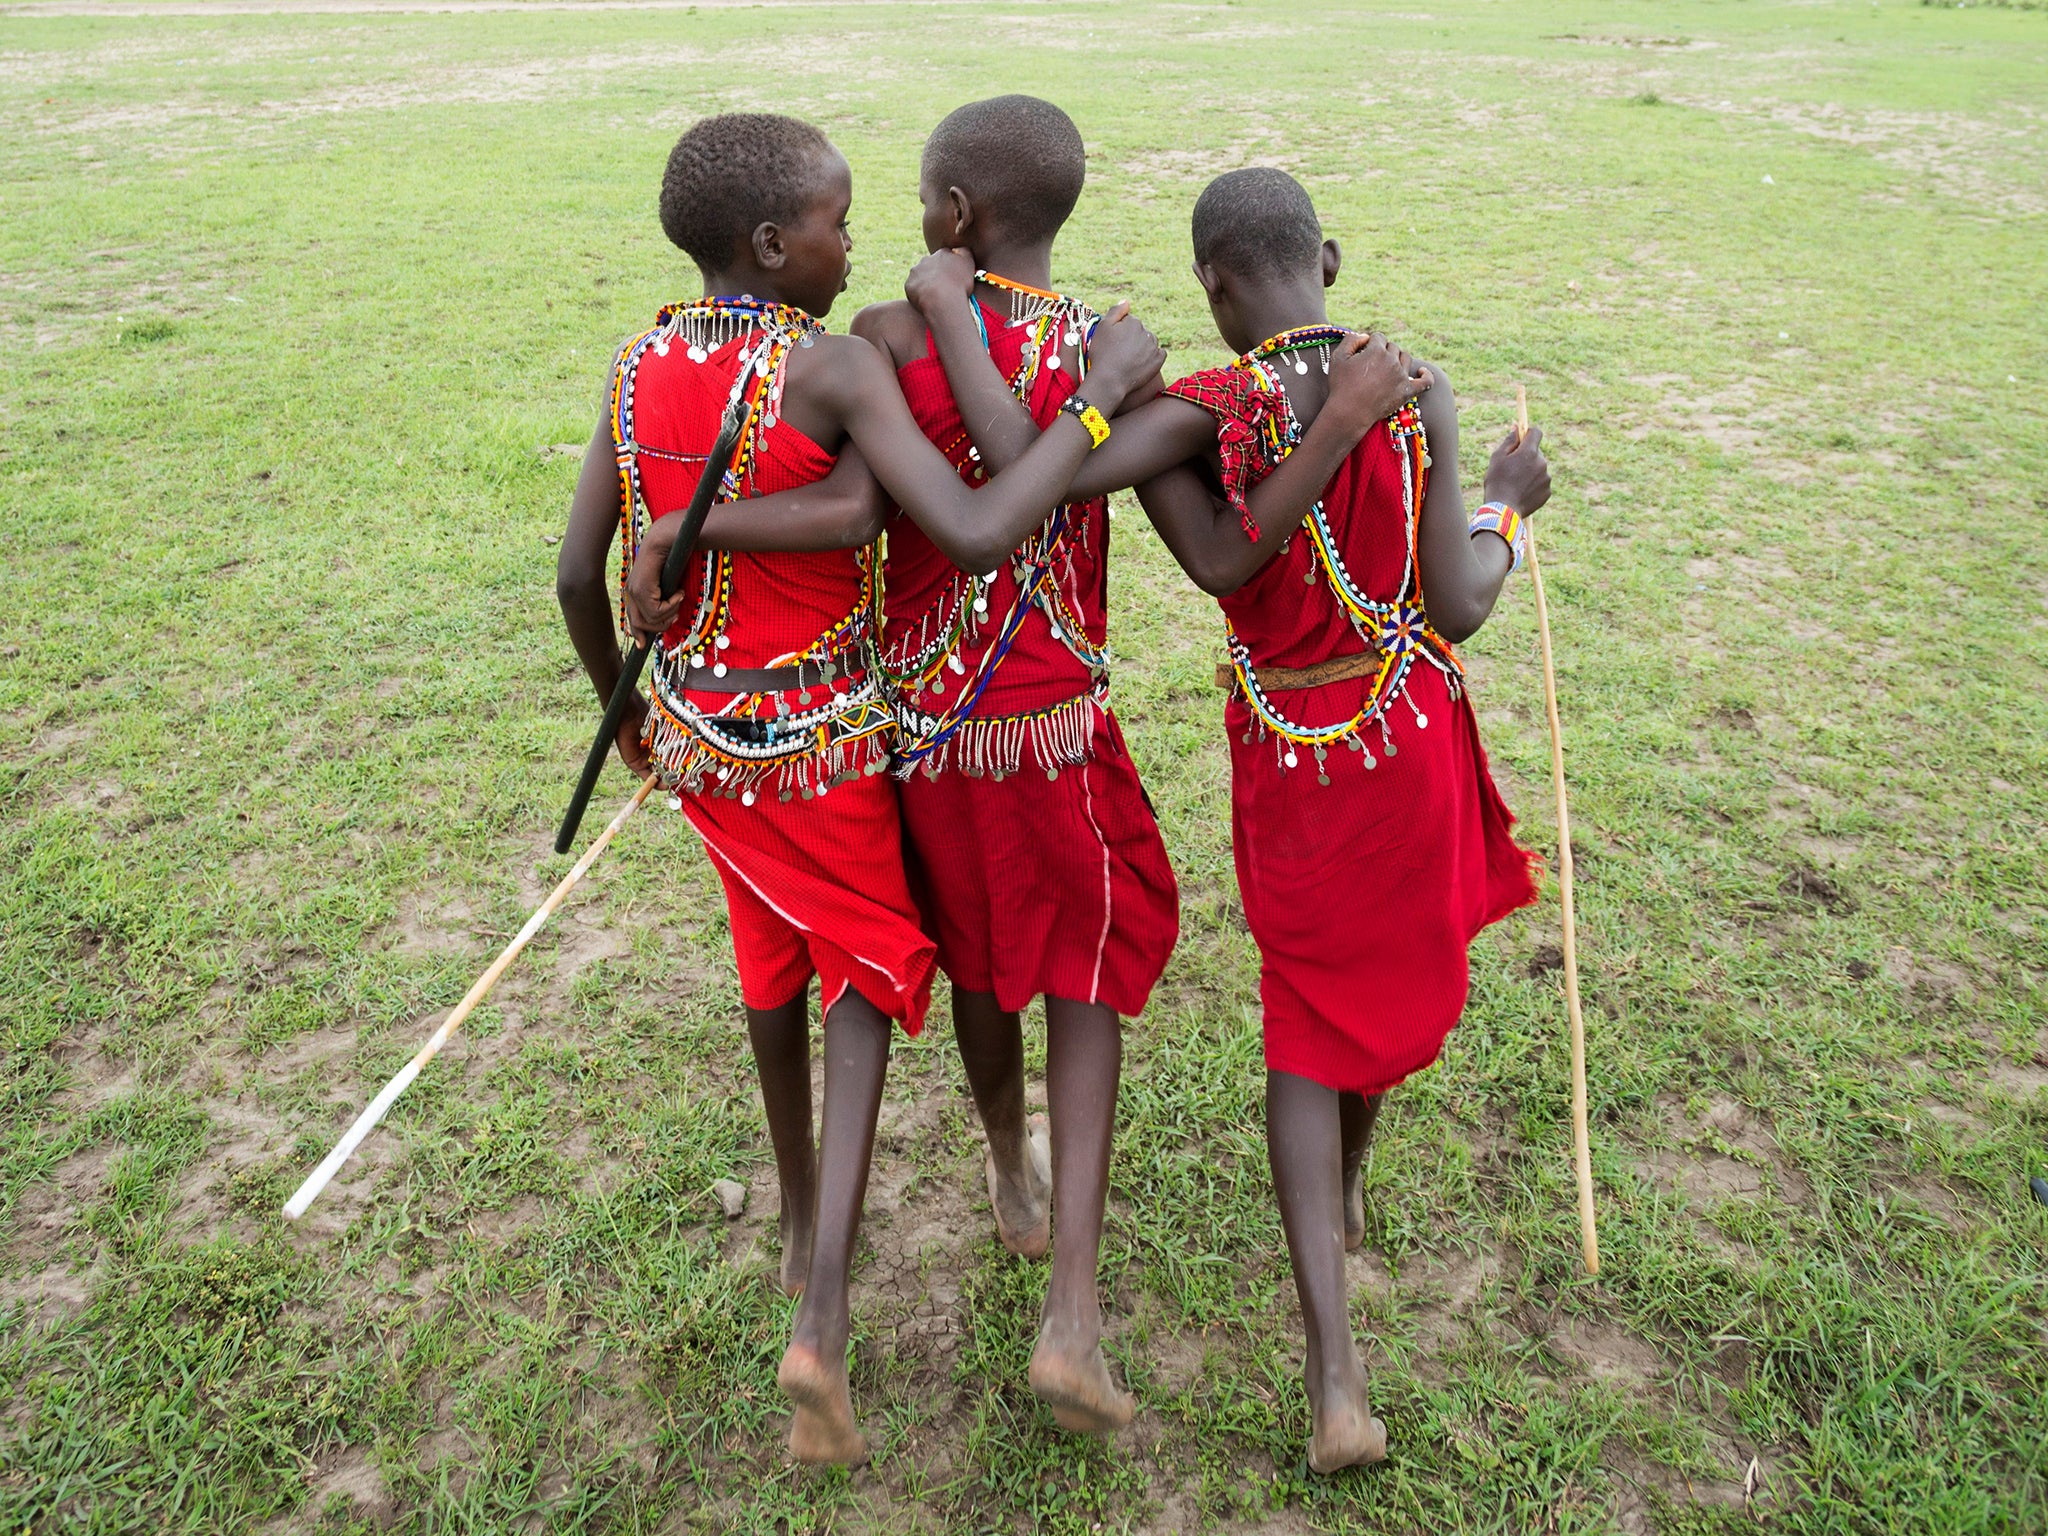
pixel 1055 886
pixel 816 887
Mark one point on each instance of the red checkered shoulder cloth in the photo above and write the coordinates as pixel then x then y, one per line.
pixel 1251 418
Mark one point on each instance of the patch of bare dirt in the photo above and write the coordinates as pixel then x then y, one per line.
pixel 1994 166
pixel 1607 1353
pixel 1918 1192
pixel 1608 40
pixel 1451 1289
pixel 351 1473
pixel 1645 1491
pixel 2023 1081
pixel 47 1297
pixel 1726 1152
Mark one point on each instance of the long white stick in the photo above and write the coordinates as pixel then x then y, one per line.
pixel 366 1122
pixel 1582 1155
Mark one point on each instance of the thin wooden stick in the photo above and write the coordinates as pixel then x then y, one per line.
pixel 1582 1154
pixel 366 1122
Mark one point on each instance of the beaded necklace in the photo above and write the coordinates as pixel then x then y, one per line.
pixel 1398 630
pixel 736 748
pixel 995 744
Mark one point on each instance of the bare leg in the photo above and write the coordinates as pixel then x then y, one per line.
pixel 781 1038
pixel 1083 1058
pixel 1304 1142
pixel 991 1044
pixel 813 1369
pixel 1359 1113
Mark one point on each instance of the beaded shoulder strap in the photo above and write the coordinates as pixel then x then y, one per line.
pixel 1398 630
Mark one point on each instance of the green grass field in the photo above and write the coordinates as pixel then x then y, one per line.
pixel 292 307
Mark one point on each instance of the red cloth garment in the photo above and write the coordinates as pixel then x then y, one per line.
pixel 1364 892
pixel 1038 861
pixel 1046 886
pixel 920 584
pixel 781 600
pixel 819 886
pixel 809 845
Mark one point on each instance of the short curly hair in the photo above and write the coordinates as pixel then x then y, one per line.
pixel 1258 222
pixel 731 173
pixel 1018 156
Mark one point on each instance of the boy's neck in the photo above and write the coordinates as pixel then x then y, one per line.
pixel 1267 309
pixel 753 282
pixel 1027 262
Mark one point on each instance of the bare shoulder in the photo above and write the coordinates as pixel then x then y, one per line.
pixel 1437 405
pixel 837 367
pixel 893 325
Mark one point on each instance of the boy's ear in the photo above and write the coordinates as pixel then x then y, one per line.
pixel 1210 279
pixel 1333 259
pixel 769 253
pixel 961 212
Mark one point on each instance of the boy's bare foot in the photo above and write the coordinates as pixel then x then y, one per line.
pixel 1345 1434
pixel 1024 1216
pixel 1354 1209
pixel 1074 1381
pixel 796 1250
pixel 823 1431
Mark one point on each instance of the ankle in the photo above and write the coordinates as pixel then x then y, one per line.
pixel 1338 1373
pixel 1071 1322
pixel 822 1329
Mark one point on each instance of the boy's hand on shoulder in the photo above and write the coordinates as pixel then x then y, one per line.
pixel 1123 356
pixel 1518 473
pixel 941 278
pixel 1370 379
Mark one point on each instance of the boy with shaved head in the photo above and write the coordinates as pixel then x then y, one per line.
pixel 1042 868
pixel 767 718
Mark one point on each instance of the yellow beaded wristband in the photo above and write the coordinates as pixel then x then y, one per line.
pixel 1089 417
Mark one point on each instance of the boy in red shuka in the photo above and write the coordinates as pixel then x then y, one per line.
pixel 766 718
pixel 1371 843
pixel 1037 856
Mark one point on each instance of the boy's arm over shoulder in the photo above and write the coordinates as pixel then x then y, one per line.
pixel 848 384
pixel 1221 547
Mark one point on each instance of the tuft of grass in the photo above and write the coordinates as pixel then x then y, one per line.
pixel 141 333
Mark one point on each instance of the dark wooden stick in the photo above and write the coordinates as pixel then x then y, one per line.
pixel 672 570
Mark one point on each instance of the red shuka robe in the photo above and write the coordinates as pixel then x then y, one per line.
pixel 810 849
pixel 1037 859
pixel 1365 891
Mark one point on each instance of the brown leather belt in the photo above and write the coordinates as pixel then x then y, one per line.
pixel 808 674
pixel 1339 669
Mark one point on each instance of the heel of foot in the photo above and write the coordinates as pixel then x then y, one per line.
pixel 1350 1444
pixel 1033 1240
pixel 1083 1397
pixel 821 1431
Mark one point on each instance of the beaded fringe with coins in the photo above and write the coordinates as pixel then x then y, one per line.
pixel 930 651
pixel 1398 630
pixel 754 742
